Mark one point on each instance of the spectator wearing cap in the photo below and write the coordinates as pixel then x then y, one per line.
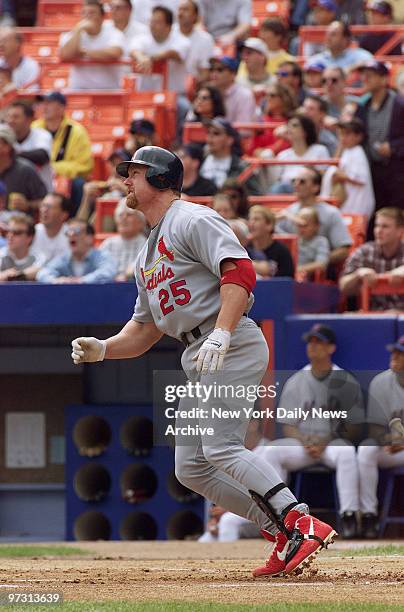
pixel 127 244
pixel 324 12
pixel 71 148
pixel 141 134
pixel 32 143
pixel 383 256
pixel 313 75
pixel 25 187
pixel 94 40
pixel 202 43
pixel 383 115
pixel 274 33
pixel 307 186
pixel 316 109
pixel 223 160
pixel 227 21
pixel 254 54
pixel 50 238
pixel 112 188
pixel 270 257
pixel 194 184
pixel 239 100
pixel 25 69
pixel 385 446
pixel 353 171
pixel 338 50
pixel 83 263
pixel 334 82
pixel 207 104
pixel 379 14
pixel 290 75
pixel 16 261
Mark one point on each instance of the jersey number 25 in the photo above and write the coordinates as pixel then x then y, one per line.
pixel 180 294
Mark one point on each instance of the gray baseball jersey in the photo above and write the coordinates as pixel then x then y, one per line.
pixel 311 399
pixel 178 269
pixel 386 399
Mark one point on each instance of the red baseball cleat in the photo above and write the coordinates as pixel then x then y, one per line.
pixel 275 566
pixel 308 536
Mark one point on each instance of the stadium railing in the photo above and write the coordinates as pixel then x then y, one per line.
pixel 382 286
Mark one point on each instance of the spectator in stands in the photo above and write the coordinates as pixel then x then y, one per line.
pixel 83 263
pixel 24 186
pixel 307 186
pixel 324 13
pixel 270 257
pixel 383 115
pixel 334 82
pixel 314 440
pixel 379 14
pixel 290 75
pixel 222 161
pixel 254 54
pixel 25 69
pixel 240 229
pixel 339 51
pixel 313 249
pixel 353 171
pixel 385 448
pixel 125 247
pixel 239 101
pixel 383 256
pixel 16 261
pixel 400 83
pixel 194 184
pixel 50 238
pixel 202 43
pixel 313 75
pixel 7 13
pixel 207 104
pixel 223 205
pixel 122 20
pixel 7 86
pixel 351 11
pixel 71 149
pixel 141 134
pixel 227 21
pixel 277 107
pixel 302 135
pixel 238 195
pixel 94 40
pixel 163 43
pixel 274 33
pixel 32 143
pixel 316 109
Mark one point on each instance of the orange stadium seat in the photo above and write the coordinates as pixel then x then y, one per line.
pixel 54 76
pixel 357 226
pixel 59 13
pixel 103 208
pixel 270 8
pixel 41 43
pixel 159 107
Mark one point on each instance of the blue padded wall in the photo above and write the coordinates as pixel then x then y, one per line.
pixel 161 506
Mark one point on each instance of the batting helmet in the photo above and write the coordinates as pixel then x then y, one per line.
pixel 164 169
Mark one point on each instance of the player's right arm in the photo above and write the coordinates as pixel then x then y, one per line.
pixel 133 340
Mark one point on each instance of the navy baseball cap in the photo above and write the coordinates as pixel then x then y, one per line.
pixel 329 5
pixel 142 126
pixel 314 67
pixel 225 60
pixel 397 346
pixel 384 8
pixel 322 332
pixel 379 67
pixel 56 96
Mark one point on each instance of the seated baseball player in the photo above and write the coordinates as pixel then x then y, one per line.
pixel 385 448
pixel 311 435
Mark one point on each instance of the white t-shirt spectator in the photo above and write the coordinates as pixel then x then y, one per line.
pixel 133 30
pixel 222 16
pixel 177 71
pixel 38 138
pixel 360 198
pixel 48 248
pixel 142 9
pixel 97 76
pixel 202 49
pixel 288 173
pixel 26 72
pixel 124 252
pixel 216 169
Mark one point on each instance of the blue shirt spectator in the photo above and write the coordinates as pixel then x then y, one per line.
pixel 338 51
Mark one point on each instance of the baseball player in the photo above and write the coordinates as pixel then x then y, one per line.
pixel 311 438
pixel 385 449
pixel 194 283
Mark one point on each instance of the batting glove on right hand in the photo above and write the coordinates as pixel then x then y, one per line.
pixel 210 356
pixel 88 350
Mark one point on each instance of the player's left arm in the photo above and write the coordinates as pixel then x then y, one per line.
pixel 233 298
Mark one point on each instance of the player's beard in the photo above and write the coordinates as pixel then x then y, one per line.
pixel 132 201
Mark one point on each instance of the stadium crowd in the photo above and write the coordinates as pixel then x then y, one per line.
pixel 246 90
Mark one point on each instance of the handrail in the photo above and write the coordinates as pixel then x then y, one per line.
pixel 316 34
pixel 382 286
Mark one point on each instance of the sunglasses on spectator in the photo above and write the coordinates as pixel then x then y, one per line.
pixel 73 231
pixel 272 94
pixel 215 132
pixel 16 232
pixel 332 80
pixel 294 124
pixel 299 181
pixel 203 97
pixel 217 69
pixel 284 73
